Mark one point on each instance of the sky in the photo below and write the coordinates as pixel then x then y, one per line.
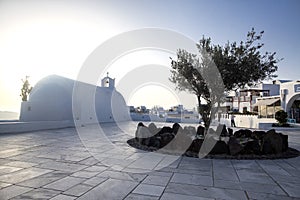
pixel 40 38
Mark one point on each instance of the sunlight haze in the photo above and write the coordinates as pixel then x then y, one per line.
pixel 40 38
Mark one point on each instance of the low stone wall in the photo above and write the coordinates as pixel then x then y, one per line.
pixel 248 121
pixel 19 127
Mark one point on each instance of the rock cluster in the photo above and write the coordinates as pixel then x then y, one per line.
pixel 222 141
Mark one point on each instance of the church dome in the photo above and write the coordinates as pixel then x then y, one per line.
pixel 51 100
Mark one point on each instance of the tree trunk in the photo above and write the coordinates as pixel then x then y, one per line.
pixel 204 112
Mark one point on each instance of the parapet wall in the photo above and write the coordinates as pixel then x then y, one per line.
pixel 19 127
pixel 248 121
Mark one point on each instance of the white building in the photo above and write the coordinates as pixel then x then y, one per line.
pixel 266 99
pixel 52 99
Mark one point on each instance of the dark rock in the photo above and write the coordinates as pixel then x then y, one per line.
pixel 234 146
pixel 166 138
pixel 243 133
pixel 221 130
pixel 238 133
pixel 258 135
pixel 247 133
pixel 154 142
pixel 144 141
pixel 165 129
pixel 272 143
pixel 285 144
pixel 196 145
pixel 175 128
pixel 140 124
pixel 200 130
pixel 220 148
pixel 252 147
pixel 230 132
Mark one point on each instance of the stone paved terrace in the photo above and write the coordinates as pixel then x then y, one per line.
pixel 61 164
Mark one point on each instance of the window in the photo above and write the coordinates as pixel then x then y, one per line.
pixel 266 93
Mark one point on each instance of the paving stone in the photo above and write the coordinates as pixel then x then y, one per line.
pixel 146 162
pixel 89 161
pixel 195 164
pixel 292 189
pixel 266 196
pixel 8 169
pixel 22 175
pixel 10 152
pixel 222 163
pixel 62 151
pixel 245 164
pixel 259 187
pixel 12 191
pixel 160 173
pixel 78 190
pixel 284 165
pixel 156 180
pixel 169 161
pixel 115 161
pixel 122 175
pixel 282 178
pixel 152 190
pixel 225 173
pixel 228 184
pixel 3 185
pixel 116 168
pixel 172 196
pixel 44 179
pixel 192 179
pixel 39 193
pixel 21 164
pixel 85 174
pixel 294 172
pixel 202 191
pixel 62 166
pixel 204 172
pixel 96 168
pixel 251 175
pixel 64 183
pixel 31 159
pixel 271 167
pixel 136 170
pixel 63 197
pixel 95 181
pixel 120 190
pixel 140 197
pixel 62 156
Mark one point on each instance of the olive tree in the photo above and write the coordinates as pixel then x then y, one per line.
pixel 238 65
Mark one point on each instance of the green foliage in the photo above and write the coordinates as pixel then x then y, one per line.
pixel 242 63
pixel 26 89
pixel 238 65
pixel 281 117
pixel 199 78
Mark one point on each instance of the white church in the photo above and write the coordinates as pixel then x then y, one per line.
pixel 53 99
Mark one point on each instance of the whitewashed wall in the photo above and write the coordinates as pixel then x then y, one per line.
pixel 248 121
pixel 51 100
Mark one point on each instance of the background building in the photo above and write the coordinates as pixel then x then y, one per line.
pixel 266 99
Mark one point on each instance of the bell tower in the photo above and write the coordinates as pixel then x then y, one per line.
pixel 108 82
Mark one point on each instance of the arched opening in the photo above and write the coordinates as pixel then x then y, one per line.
pixel 293 108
